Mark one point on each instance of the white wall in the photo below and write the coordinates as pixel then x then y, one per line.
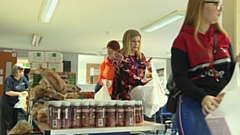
pixel 82 62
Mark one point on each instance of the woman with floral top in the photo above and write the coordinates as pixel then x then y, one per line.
pixel 130 66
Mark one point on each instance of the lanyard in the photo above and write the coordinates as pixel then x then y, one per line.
pixel 136 64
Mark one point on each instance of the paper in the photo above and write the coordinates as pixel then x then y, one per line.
pixel 1 71
pixel 1 80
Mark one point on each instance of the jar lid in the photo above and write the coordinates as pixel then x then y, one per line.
pixel 56 103
pixel 75 103
pixel 66 103
pixel 132 102
pixel 112 103
pixel 128 103
pixel 139 102
pixel 120 103
pixel 99 103
pixel 84 103
pixel 91 102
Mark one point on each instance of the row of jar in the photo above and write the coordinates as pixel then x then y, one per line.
pixel 92 113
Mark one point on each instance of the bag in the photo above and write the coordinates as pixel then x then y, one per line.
pixel 151 94
pixel 103 94
pixel 97 87
pixel 172 100
pixel 223 120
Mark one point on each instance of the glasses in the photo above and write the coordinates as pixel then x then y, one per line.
pixel 219 5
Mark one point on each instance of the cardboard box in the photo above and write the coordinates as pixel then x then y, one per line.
pixel 36 65
pixel 36 57
pixel 53 57
pixel 56 66
pixel 68 77
pixel 86 95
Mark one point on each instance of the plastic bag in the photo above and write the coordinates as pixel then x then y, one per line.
pixel 103 94
pixel 151 94
pixel 22 127
pixel 222 121
pixel 22 103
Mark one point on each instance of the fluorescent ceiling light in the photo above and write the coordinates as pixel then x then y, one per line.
pixel 178 14
pixel 48 10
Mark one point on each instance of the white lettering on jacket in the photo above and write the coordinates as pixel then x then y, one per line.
pixel 210 73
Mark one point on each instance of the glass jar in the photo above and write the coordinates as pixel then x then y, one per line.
pixel 66 114
pixel 111 114
pixel 100 114
pixel 120 116
pixel 56 115
pixel 129 114
pixel 85 113
pixel 92 113
pixel 76 114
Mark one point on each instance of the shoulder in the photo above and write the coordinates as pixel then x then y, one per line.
pixel 9 78
pixel 223 38
pixel 182 40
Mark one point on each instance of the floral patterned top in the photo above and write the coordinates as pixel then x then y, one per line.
pixel 128 73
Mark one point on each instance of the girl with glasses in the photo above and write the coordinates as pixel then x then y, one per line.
pixel 202 64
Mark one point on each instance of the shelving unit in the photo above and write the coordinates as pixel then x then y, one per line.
pixel 145 126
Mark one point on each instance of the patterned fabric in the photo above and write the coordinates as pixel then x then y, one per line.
pixel 129 72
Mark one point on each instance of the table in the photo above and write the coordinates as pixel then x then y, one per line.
pixel 145 126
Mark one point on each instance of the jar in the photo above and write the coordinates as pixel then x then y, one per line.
pixel 105 116
pixel 120 113
pixel 100 114
pixel 141 111
pixel 129 114
pixel 66 114
pixel 49 120
pixel 56 115
pixel 92 118
pixel 76 114
pixel 85 113
pixel 111 114
pixel 134 110
pixel 137 112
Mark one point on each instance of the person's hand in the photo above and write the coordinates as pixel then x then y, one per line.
pixel 238 58
pixel 24 93
pixel 149 63
pixel 209 103
pixel 109 83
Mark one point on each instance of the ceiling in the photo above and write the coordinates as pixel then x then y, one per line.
pixel 86 26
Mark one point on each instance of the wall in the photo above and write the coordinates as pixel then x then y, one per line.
pixel 73 57
pixel 231 21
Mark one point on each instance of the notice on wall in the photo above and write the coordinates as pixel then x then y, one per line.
pixel 1 71
pixel 1 80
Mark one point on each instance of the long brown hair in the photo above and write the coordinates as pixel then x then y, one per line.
pixel 193 18
pixel 128 35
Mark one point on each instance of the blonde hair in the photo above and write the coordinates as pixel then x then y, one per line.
pixel 193 18
pixel 126 50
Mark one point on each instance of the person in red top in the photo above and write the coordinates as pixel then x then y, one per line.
pixel 106 67
pixel 202 65
pixel 130 66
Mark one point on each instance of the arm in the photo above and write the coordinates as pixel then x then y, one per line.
pixel 170 83
pixel 180 64
pixel 101 70
pixel 8 88
pixel 13 93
